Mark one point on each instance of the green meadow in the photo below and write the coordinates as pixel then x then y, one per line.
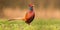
pixel 37 24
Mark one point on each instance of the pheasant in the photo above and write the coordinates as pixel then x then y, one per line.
pixel 29 15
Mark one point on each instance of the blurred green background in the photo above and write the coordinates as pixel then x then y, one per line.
pixel 37 24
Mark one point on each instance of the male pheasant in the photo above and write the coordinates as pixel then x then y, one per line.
pixel 29 15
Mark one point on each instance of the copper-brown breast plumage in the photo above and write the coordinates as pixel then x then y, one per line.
pixel 29 17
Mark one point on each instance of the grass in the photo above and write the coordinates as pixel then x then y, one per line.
pixel 37 24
